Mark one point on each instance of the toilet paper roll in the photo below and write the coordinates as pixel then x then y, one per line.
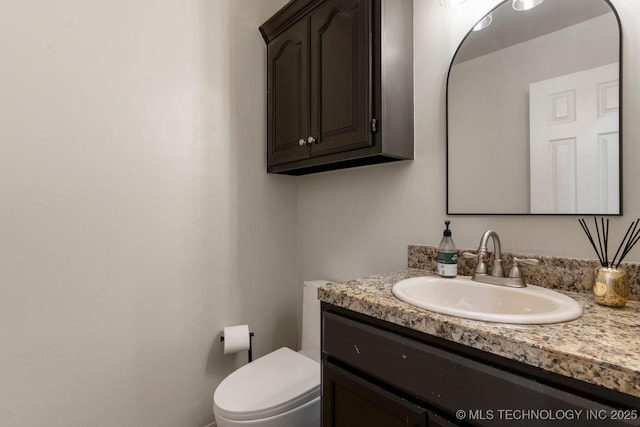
pixel 236 338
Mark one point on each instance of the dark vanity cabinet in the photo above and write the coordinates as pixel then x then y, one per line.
pixel 350 400
pixel 377 374
pixel 339 84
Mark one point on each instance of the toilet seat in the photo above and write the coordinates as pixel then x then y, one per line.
pixel 273 384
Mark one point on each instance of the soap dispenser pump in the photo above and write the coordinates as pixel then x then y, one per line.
pixel 447 255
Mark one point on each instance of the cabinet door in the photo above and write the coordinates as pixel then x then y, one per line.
pixel 350 401
pixel 341 81
pixel 288 95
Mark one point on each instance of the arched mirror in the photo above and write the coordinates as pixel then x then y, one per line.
pixel 533 112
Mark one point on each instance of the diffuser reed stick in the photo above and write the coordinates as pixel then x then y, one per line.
pixel 631 237
pixel 590 237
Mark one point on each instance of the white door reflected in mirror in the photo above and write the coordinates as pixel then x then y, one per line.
pixel 574 142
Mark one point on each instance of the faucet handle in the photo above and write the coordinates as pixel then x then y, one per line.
pixel 515 269
pixel 528 261
pixel 481 268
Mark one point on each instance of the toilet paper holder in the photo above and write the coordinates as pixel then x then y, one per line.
pixel 250 345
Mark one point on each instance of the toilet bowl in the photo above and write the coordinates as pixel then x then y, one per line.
pixel 282 388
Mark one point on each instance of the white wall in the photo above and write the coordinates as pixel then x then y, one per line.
pixel 360 221
pixel 136 219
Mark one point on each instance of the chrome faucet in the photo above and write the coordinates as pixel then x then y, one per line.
pixel 496 277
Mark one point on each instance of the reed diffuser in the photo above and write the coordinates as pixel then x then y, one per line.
pixel 611 285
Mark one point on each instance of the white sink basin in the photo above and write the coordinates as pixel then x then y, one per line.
pixel 463 297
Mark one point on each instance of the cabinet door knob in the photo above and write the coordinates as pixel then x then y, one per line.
pixel 302 142
pixel 311 140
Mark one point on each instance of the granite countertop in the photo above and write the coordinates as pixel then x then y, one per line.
pixel 602 347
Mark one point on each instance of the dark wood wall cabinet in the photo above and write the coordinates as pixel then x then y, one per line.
pixel 376 374
pixel 339 84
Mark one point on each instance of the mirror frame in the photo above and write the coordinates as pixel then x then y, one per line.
pixel 620 129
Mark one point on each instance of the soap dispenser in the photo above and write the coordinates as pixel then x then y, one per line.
pixel 447 255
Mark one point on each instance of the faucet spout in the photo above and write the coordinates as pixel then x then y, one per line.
pixel 497 269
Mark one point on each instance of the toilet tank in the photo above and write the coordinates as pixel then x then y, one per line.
pixel 311 319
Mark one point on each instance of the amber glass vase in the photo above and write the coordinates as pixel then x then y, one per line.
pixel 611 287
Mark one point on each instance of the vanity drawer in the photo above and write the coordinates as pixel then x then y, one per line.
pixel 450 382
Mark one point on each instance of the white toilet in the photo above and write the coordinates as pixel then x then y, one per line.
pixel 282 388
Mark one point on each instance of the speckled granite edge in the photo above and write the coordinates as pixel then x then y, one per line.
pixel 602 347
pixel 567 274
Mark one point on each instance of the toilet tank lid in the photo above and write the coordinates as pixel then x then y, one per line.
pixel 273 384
